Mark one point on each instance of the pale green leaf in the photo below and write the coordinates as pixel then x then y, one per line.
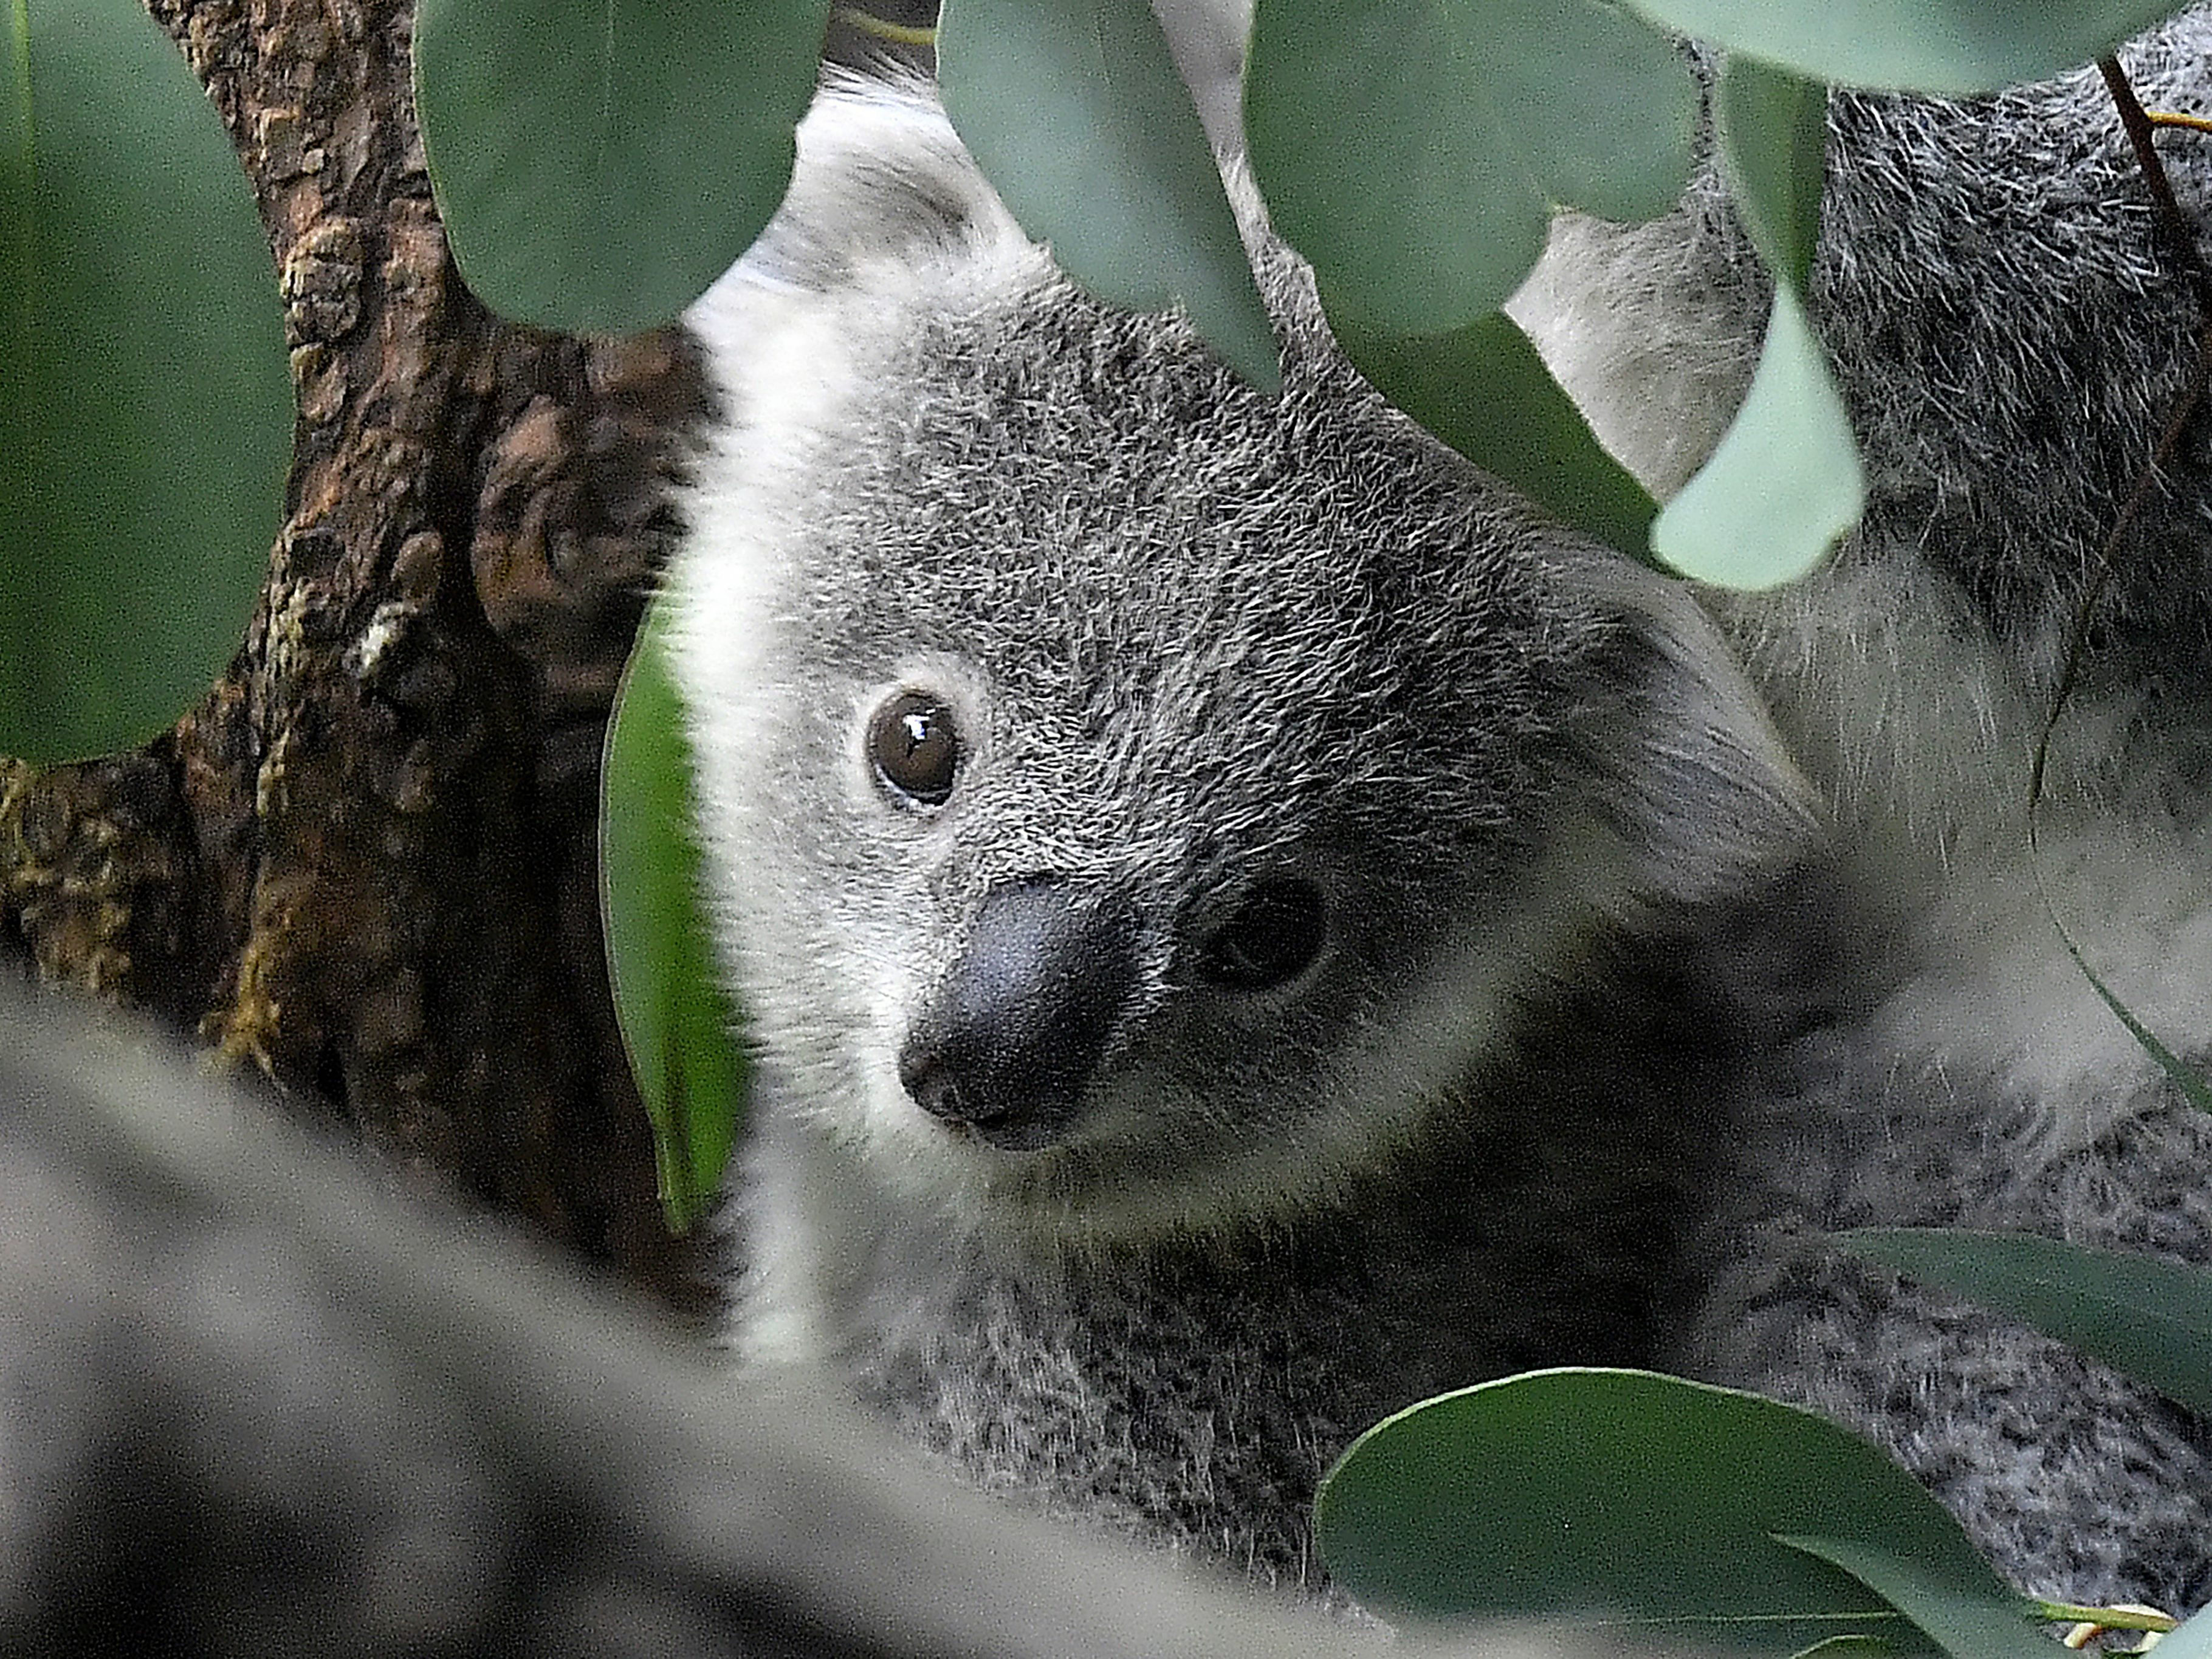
pixel 1075 114
pixel 1771 132
pixel 1784 485
pixel 2191 1640
pixel 1484 391
pixel 1413 150
pixel 1923 45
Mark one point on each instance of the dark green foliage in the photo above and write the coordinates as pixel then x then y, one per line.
pixel 145 401
pixel 2149 1318
pixel 1614 1496
pixel 598 167
pixel 676 1023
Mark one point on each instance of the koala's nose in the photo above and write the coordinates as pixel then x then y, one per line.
pixel 1015 1031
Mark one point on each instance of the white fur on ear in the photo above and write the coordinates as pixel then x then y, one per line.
pixel 1652 332
pixel 882 193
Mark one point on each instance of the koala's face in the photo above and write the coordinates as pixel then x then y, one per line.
pixel 1128 797
pixel 1125 757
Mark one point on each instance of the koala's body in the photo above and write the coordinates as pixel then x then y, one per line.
pixel 1245 924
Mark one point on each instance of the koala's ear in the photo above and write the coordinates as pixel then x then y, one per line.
pixel 880 175
pixel 1686 763
pixel 885 218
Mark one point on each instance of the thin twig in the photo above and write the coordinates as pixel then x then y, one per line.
pixel 2173 222
pixel 2174 225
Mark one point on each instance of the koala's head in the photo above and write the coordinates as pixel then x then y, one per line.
pixel 1131 800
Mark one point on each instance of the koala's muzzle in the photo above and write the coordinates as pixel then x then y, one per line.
pixel 1017 1029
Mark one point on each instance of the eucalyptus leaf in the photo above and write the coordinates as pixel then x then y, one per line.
pixel 145 397
pixel 2149 1318
pixel 1784 484
pixel 676 1023
pixel 1914 45
pixel 1415 151
pixel 1965 1623
pixel 1771 136
pixel 1484 390
pixel 1630 1497
pixel 598 167
pixel 1075 114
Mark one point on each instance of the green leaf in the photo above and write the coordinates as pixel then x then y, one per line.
pixel 1075 113
pixel 598 167
pixel 1923 45
pixel 1484 391
pixel 1770 131
pixel 1965 1624
pixel 1413 150
pixel 145 396
pixel 2148 1318
pixel 1785 484
pixel 676 1023
pixel 1630 1497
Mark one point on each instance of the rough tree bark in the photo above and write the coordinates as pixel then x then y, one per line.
pixel 365 863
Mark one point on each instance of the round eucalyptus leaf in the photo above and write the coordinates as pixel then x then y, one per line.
pixel 145 398
pixel 2192 1640
pixel 1413 150
pixel 1784 484
pixel 1770 130
pixel 1075 114
pixel 676 1025
pixel 1625 1496
pixel 1914 45
pixel 598 167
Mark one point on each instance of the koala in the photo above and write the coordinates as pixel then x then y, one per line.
pixel 1245 923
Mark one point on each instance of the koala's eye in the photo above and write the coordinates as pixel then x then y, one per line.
pixel 1268 940
pixel 915 746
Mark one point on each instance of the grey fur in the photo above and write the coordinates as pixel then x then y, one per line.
pixel 1619 1012
pixel 255 1405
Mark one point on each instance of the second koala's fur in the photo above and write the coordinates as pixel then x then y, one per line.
pixel 1245 924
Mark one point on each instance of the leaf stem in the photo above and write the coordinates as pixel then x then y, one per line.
pixel 881 28
pixel 2122 1617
